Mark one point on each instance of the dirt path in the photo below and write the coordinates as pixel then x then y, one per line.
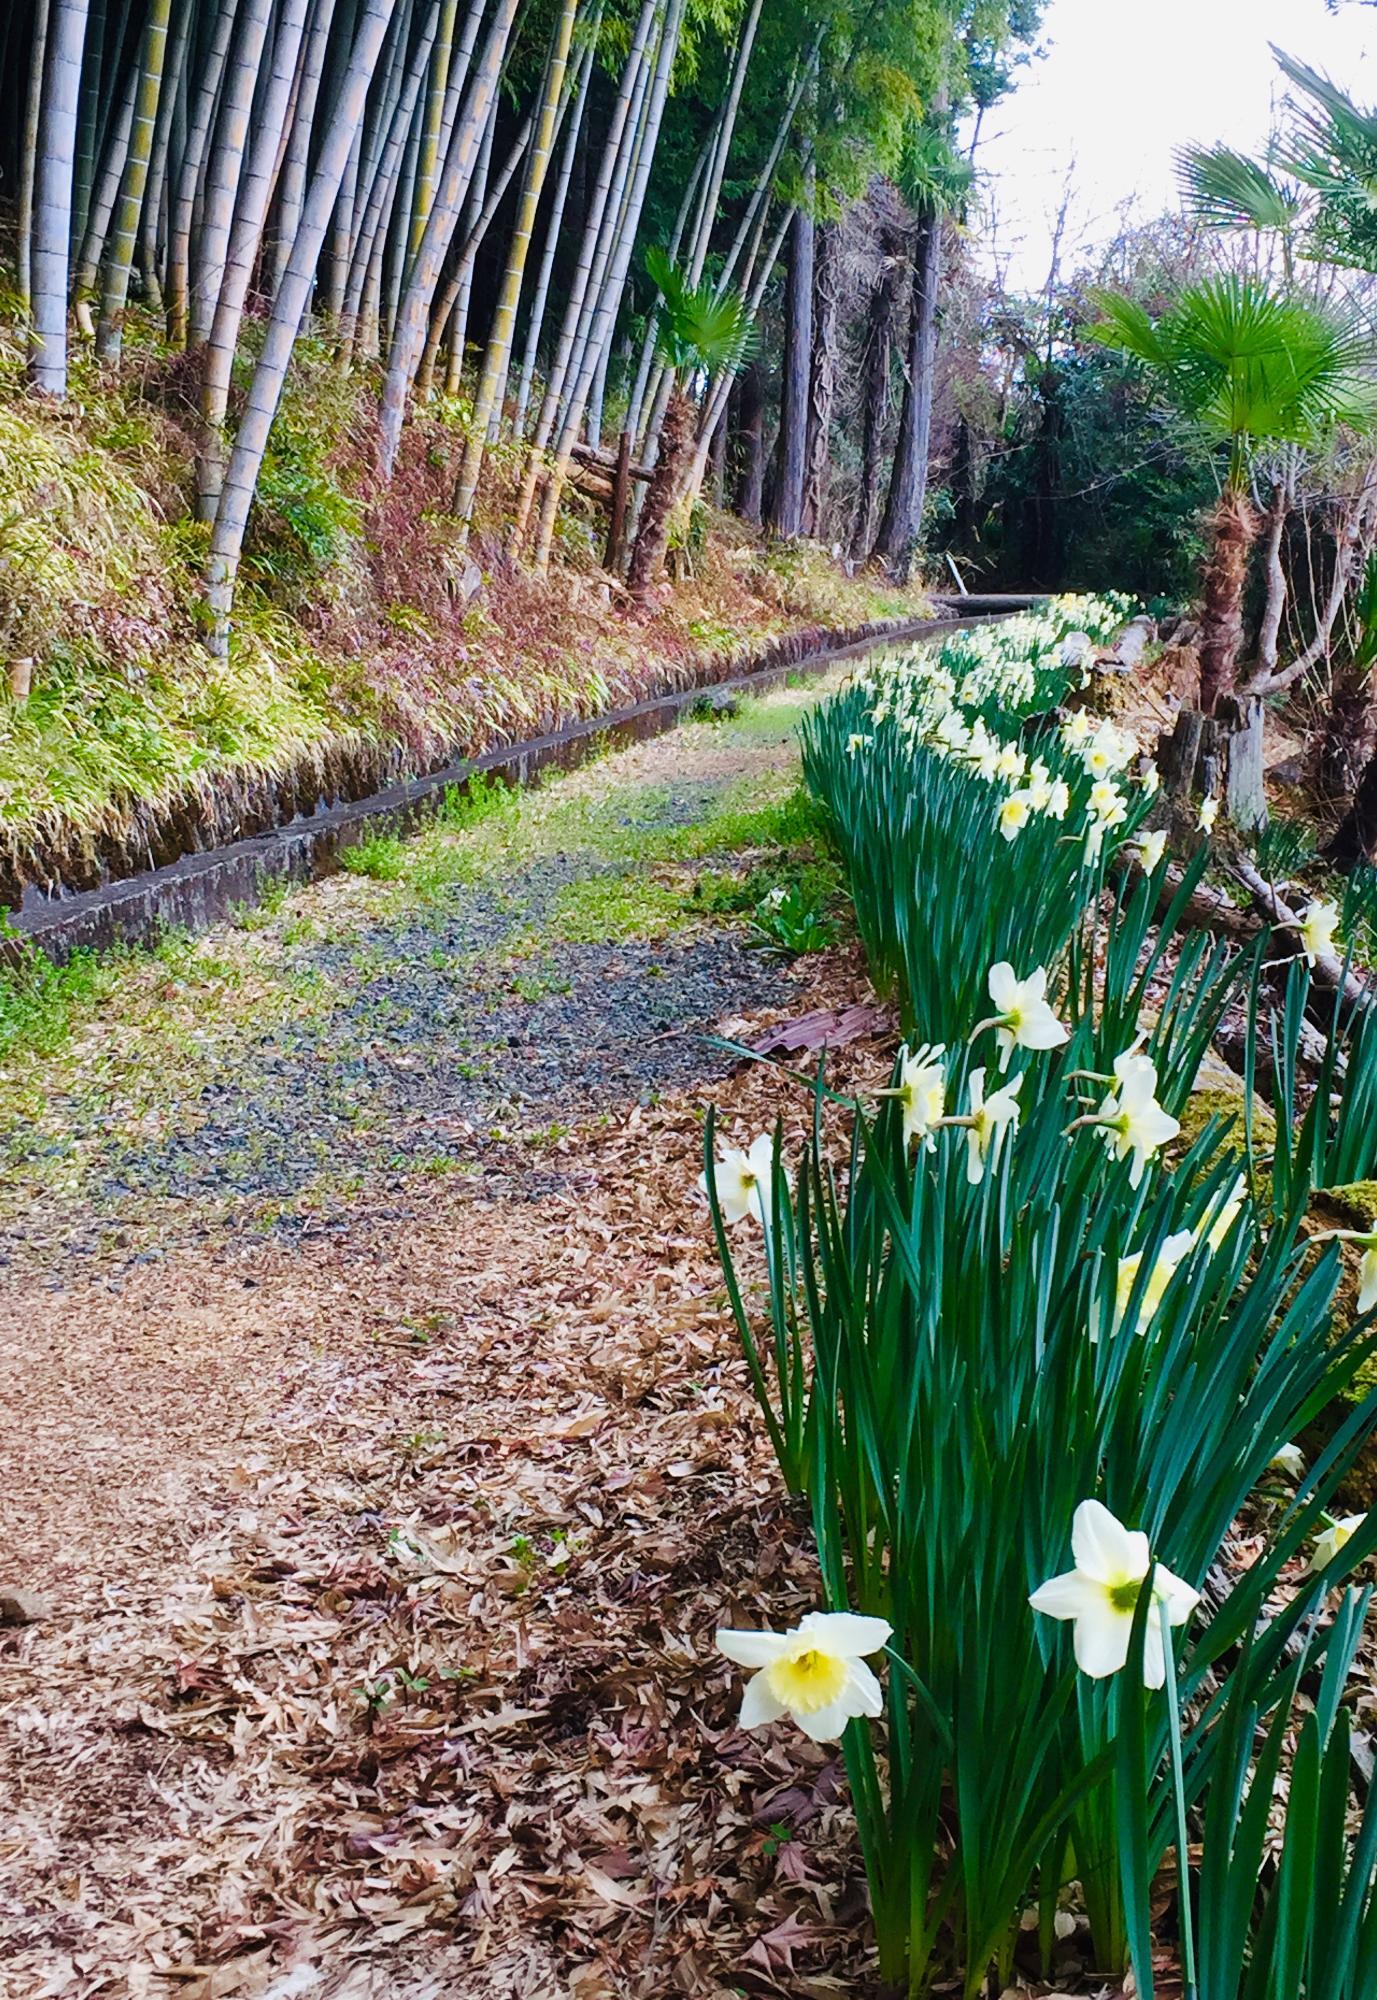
pixel 373 1432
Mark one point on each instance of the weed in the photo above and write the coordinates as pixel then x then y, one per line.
pixel 381 856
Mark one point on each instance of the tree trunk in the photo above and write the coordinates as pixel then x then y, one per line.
pixel 750 478
pixel 270 374
pixel 225 166
pixel 492 378
pixel 33 111
pixel 879 341
pixel 119 256
pixel 53 194
pixel 200 123
pixel 1234 530
pixel 786 513
pixel 409 335
pixel 1269 631
pixel 1347 742
pixel 553 226
pixel 291 185
pixel 652 538
pixel 1355 840
pixel 432 125
pixel 902 525
pixel 822 380
pixel 245 239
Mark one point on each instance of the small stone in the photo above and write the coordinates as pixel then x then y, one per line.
pixel 22 1607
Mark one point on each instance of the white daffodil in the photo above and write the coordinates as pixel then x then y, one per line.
pixel 1290 1460
pixel 1107 802
pixel 990 1118
pixel 1133 1122
pixel 1151 848
pixel 1077 729
pixel 816 1674
pixel 1022 1018
pixel 922 1093
pixel 1318 925
pixel 741 1180
pixel 1010 763
pixel 1107 751
pixel 1218 1231
pixel 1059 799
pixel 1333 1539
pixel 985 761
pixel 1101 1595
pixel 1209 813
pixel 1174 1249
pixel 1366 1241
pixel 856 742
pixel 1039 787
pixel 1149 777
pixel 1014 815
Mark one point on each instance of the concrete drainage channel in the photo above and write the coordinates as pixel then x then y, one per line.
pixel 198 889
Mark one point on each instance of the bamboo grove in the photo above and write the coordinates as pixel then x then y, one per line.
pixel 590 220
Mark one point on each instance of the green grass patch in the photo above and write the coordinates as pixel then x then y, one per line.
pixel 381 857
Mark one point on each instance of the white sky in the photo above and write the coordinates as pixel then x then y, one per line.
pixel 1125 82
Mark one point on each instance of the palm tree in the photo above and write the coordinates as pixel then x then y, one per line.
pixel 1246 366
pixel 700 334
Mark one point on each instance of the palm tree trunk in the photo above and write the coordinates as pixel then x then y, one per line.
pixel 552 232
pixel 902 525
pixel 119 257
pixel 791 446
pixel 497 355
pixel 270 373
pixel 225 165
pixel 200 123
pixel 1234 530
pixel 652 538
pixel 246 236
pixel 52 217
pixel 419 290
pixel 28 159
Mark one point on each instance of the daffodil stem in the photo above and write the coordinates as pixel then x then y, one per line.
pixel 1178 1780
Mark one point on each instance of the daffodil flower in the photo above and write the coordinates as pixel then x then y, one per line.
pixel 922 1093
pixel 1151 848
pixel 1011 762
pixel 1174 1249
pixel 1219 1229
pixel 1059 799
pixel 1290 1460
pixel 1107 802
pixel 741 1180
pixel 856 742
pixel 816 1674
pixel 1014 815
pixel 1318 925
pixel 1077 729
pixel 988 1121
pixel 1149 777
pixel 1101 1595
pixel 1039 786
pixel 1133 1122
pixel 1366 1241
pixel 1023 1019
pixel 1333 1540
pixel 1108 750
pixel 1209 813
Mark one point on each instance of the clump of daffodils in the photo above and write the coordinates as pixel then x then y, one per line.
pixel 1100 1595
pixel 815 1675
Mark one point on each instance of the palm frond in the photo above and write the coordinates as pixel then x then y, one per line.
pixel 1230 191
pixel 697 329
